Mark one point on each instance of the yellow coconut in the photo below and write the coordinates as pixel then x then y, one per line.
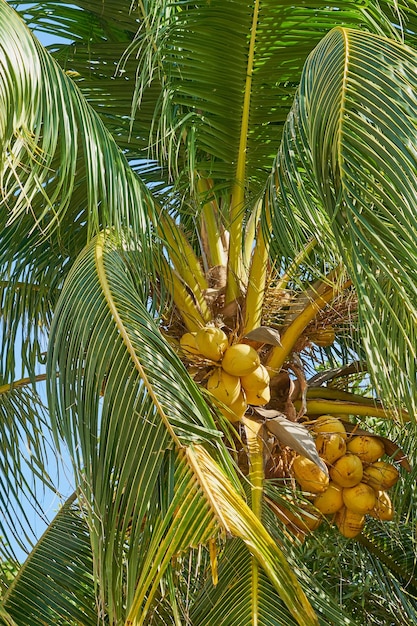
pixel 240 360
pixel 383 509
pixel 347 471
pixel 330 446
pixel 330 501
pixel 258 397
pixel 256 386
pixel 259 378
pixel 350 524
pixel 309 476
pixel 368 449
pixel 211 342
pixel 329 424
pixel 223 386
pixel 235 411
pixel 188 344
pixel 360 499
pixel 381 475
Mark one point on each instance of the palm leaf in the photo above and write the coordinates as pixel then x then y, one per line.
pixel 104 342
pixel 62 176
pixel 231 602
pixel 57 158
pixel 55 584
pixel 191 52
pixel 358 580
pixel 25 453
pixel 25 317
pixel 345 172
pixel 203 66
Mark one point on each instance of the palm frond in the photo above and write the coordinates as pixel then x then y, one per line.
pixel 55 584
pixel 190 53
pixel 26 452
pixel 104 342
pixel 58 162
pixel 231 601
pixel 25 317
pixel 346 172
pixel 326 603
pixel 202 64
pixel 63 178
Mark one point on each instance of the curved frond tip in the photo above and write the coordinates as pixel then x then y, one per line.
pixel 346 173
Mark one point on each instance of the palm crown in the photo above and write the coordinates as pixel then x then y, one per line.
pixel 243 167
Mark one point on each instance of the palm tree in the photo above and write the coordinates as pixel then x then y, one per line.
pixel 179 178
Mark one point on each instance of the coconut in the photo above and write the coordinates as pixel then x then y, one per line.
pixel 235 411
pixel 381 475
pixel 329 424
pixel 309 476
pixel 350 524
pixel 368 449
pixel 259 378
pixel 347 471
pixel 211 342
pixel 360 499
pixel 188 344
pixel 383 509
pixel 258 397
pixel 240 360
pixel 256 386
pixel 330 501
pixel 330 446
pixel 223 386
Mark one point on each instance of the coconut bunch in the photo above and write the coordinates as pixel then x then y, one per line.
pixel 357 481
pixel 236 378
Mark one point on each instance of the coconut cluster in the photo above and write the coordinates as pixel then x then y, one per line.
pixel 357 482
pixel 237 378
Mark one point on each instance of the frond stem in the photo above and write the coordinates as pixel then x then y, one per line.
pixel 211 229
pixel 256 477
pixel 33 554
pixel 255 292
pixel 289 338
pixel 238 193
pixel 22 382
pixel 321 406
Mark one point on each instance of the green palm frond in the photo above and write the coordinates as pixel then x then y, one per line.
pixel 58 162
pixel 203 64
pixel 395 551
pixel 25 444
pixel 321 595
pixel 185 520
pixel 55 584
pixel 98 35
pixel 357 579
pixel 189 52
pixel 346 173
pixel 104 342
pixel 63 178
pixel 232 600
pixel 25 317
